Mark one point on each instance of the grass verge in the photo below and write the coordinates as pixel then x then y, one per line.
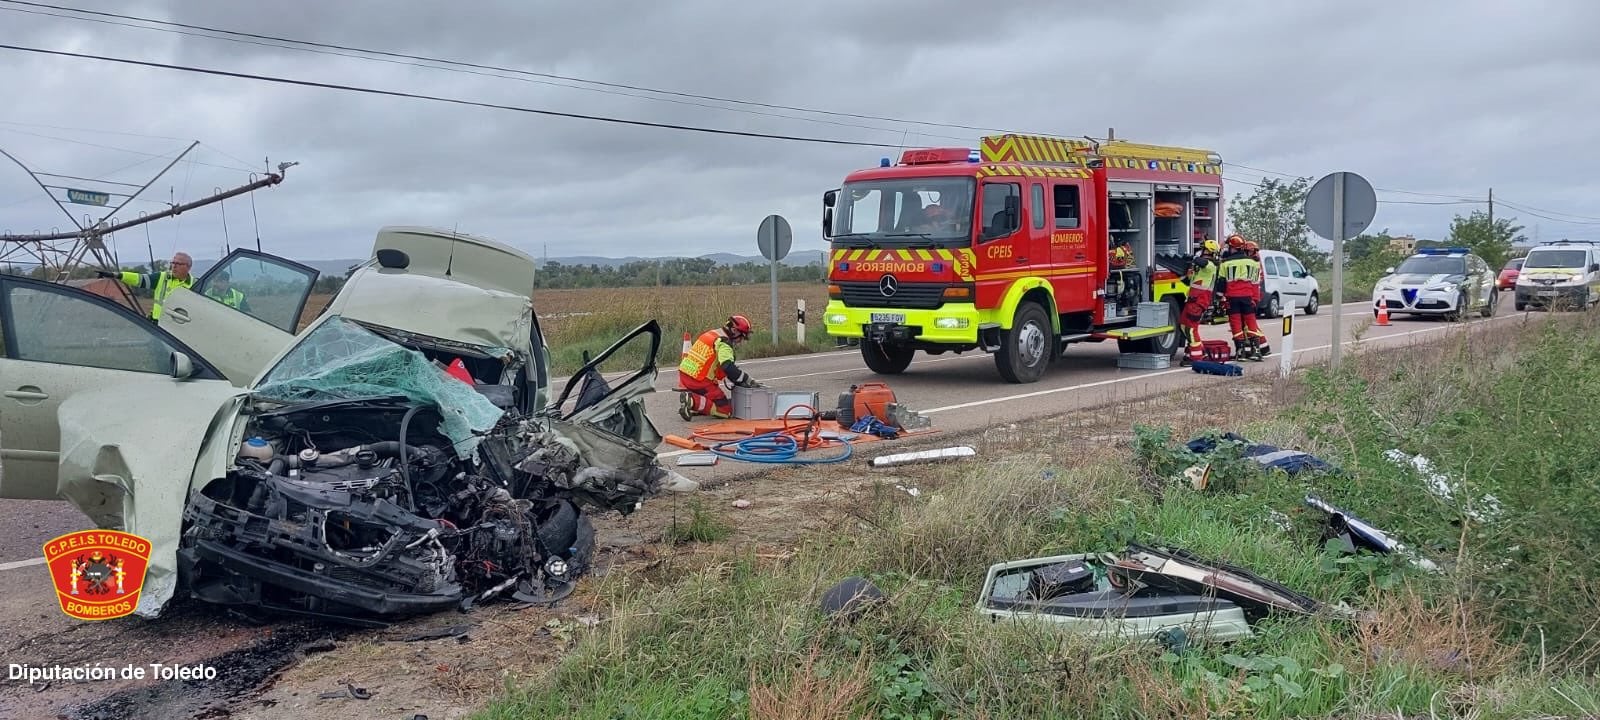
pixel 1506 630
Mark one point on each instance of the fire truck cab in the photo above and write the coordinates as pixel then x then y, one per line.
pixel 1019 248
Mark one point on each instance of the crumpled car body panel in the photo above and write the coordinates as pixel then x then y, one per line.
pixel 132 471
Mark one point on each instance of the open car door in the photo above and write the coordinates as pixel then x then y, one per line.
pixel 241 312
pixel 617 408
pixel 59 342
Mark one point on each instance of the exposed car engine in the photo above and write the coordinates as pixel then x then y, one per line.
pixel 360 510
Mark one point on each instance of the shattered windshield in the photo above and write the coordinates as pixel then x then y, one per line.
pixel 932 212
pixel 341 360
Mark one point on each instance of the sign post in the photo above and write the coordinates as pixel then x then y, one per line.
pixel 773 238
pixel 1340 205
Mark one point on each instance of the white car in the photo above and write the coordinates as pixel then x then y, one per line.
pixel 1447 281
pixel 341 472
pixel 1286 286
pixel 1563 273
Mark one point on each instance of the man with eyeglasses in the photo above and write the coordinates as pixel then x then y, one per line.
pixel 161 283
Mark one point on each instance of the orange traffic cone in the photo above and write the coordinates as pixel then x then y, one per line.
pixel 1383 310
pixel 685 344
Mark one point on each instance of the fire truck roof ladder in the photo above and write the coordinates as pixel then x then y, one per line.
pixel 1046 150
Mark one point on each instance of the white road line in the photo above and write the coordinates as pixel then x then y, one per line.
pixel 21 564
pixel 1102 383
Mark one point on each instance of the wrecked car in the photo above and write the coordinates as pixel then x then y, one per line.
pixel 399 455
pixel 1143 593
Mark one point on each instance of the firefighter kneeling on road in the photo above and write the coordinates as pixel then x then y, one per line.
pixel 1202 281
pixel 1241 271
pixel 707 365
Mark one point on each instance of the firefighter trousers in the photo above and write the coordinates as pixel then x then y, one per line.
pixel 706 397
pixel 1242 320
pixel 1193 311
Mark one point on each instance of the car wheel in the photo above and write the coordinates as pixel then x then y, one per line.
pixel 1463 304
pixel 1025 348
pixel 1520 305
pixel 1311 304
pixel 885 359
pixel 1489 307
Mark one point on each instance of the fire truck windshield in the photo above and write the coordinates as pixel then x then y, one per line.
pixel 926 212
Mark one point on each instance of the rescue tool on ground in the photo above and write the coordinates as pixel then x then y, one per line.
pixel 709 363
pixel 1018 249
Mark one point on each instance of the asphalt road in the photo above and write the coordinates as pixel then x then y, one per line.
pixel 958 392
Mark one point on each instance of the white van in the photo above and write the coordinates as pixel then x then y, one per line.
pixel 1562 273
pixel 1286 286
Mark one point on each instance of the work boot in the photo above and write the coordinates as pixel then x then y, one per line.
pixel 685 407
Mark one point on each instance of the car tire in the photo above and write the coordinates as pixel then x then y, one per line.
pixel 1489 306
pixel 1274 307
pixel 1463 306
pixel 1311 303
pixel 886 359
pixel 1025 349
pixel 1520 305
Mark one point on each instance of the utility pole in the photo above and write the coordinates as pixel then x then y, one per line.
pixel 1491 209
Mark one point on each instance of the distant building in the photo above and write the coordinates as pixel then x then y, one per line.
pixel 1403 244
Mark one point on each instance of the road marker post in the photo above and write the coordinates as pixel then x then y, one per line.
pixel 800 321
pixel 1286 359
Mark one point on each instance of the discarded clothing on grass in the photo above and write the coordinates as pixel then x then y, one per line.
pixel 1209 367
pixel 1269 456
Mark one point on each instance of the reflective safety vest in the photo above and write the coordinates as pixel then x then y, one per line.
pixel 1243 268
pixel 1121 256
pixel 233 298
pixel 1204 276
pixel 706 356
pixel 160 284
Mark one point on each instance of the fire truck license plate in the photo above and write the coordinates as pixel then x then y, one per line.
pixel 896 318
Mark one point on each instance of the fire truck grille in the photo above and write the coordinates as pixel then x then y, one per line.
pixel 915 296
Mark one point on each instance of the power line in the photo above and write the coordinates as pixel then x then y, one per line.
pixel 467 71
pixel 147 155
pixel 1530 208
pixel 454 101
pixel 497 68
pixel 1543 216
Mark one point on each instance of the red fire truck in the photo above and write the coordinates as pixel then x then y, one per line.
pixel 1011 249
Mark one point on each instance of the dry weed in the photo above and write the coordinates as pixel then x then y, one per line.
pixel 806 694
pixel 1448 636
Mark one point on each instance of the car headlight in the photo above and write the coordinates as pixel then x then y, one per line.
pixel 1443 287
pixel 836 319
pixel 949 323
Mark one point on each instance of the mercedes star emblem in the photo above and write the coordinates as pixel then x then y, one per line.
pixel 888 286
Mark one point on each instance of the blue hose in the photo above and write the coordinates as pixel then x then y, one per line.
pixel 775 447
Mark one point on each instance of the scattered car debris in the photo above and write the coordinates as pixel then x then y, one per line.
pixel 913 492
pixel 697 459
pixel 349 691
pixel 1159 594
pixel 1355 532
pixel 850 597
pixel 918 456
pixel 741 503
pixel 438 633
pixel 1292 462
pixel 1484 509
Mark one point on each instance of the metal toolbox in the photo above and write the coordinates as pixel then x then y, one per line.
pixel 768 403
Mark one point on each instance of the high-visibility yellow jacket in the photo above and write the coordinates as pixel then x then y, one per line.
pixel 708 357
pixel 1203 276
pixel 232 298
pixel 160 285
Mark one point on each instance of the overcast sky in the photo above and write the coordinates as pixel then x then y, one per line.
pixel 1442 98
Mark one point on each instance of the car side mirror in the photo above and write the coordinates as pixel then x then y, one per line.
pixel 1594 267
pixel 394 259
pixel 182 366
pixel 829 199
pixel 1388 271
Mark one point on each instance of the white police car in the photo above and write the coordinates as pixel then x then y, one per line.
pixel 1449 281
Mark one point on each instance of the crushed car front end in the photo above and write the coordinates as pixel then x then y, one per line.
pixel 370 484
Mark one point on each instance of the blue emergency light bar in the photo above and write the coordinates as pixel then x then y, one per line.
pixel 1443 251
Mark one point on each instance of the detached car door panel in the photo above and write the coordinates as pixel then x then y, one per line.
pixel 241 312
pixel 60 342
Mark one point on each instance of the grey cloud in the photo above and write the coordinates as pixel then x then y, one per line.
pixel 1430 96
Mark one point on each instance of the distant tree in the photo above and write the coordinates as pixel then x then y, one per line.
pixel 1274 217
pixel 1366 245
pixel 1490 241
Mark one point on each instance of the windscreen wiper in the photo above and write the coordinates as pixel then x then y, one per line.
pixel 857 236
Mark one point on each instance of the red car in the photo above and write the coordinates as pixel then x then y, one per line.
pixel 1508 275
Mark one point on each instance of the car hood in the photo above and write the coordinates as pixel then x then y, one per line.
pixel 108 458
pixel 453 311
pixel 1419 280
